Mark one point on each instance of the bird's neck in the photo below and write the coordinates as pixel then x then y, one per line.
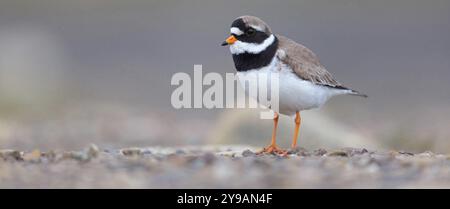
pixel 249 61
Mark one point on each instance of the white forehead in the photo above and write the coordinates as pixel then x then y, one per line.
pixel 236 31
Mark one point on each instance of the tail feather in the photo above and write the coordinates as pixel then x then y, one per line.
pixel 350 91
pixel 357 93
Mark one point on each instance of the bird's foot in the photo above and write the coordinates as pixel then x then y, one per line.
pixel 274 150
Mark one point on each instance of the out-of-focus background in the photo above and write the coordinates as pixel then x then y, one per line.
pixel 98 71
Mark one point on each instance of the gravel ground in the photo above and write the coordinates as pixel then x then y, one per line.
pixel 222 167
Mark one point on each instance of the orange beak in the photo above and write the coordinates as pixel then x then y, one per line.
pixel 230 40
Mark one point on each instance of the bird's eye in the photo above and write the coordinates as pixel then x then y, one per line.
pixel 250 32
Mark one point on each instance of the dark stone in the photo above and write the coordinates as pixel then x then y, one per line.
pixel 180 152
pixel 338 153
pixel 319 152
pixel 300 151
pixel 248 153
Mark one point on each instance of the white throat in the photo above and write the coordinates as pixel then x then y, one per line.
pixel 240 47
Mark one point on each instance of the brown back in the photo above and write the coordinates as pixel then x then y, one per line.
pixel 305 63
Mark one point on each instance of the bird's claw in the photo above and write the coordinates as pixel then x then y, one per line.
pixel 274 150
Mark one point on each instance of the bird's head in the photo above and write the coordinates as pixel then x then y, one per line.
pixel 249 34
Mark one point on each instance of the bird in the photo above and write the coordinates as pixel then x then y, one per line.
pixel 304 83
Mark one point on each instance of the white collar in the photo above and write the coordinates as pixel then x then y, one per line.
pixel 240 47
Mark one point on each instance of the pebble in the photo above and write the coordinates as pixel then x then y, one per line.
pixel 338 153
pixel 300 151
pixel 34 156
pixel 131 151
pixel 319 152
pixel 180 152
pixel 11 155
pixel 248 153
pixel 92 151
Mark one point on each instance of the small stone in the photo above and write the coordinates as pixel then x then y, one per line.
pixel 338 153
pixel 227 153
pixel 406 153
pixel 131 152
pixel 426 154
pixel 354 151
pixel 84 156
pixel 92 151
pixel 50 155
pixel 11 155
pixel 362 151
pixel 34 156
pixel 300 151
pixel 320 152
pixel 146 152
pixel 79 156
pixel 248 153
pixel 180 152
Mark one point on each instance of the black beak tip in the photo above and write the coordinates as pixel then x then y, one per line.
pixel 224 43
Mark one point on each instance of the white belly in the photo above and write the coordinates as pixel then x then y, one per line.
pixel 295 94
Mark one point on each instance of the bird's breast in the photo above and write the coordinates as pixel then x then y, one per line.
pixel 294 94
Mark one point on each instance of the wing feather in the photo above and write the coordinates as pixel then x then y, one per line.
pixel 305 63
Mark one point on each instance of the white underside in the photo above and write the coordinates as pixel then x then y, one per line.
pixel 295 94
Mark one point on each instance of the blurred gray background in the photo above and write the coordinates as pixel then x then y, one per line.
pixel 98 71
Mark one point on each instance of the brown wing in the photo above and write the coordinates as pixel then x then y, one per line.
pixel 305 63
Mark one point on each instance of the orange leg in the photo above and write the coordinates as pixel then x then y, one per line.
pixel 273 148
pixel 298 121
